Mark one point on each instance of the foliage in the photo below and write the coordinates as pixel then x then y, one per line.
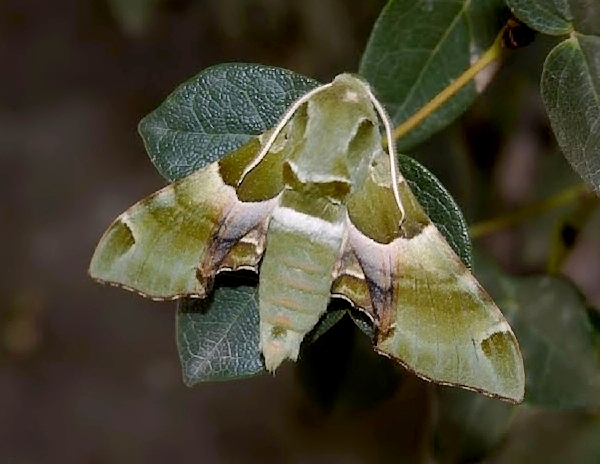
pixel 416 50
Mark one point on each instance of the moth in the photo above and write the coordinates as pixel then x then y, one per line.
pixel 320 208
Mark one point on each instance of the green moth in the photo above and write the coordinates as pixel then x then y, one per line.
pixel 322 209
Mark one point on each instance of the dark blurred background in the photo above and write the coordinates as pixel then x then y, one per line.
pixel 90 374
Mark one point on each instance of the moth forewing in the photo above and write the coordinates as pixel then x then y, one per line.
pixel 437 320
pixel 155 247
pixel 172 243
pixel 433 316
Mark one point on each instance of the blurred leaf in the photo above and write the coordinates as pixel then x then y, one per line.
pixel 217 337
pixel 341 370
pixel 571 92
pixel 548 16
pixel 134 16
pixel 418 47
pixel 558 187
pixel 567 231
pixel 470 425
pixel 549 317
pixel 215 112
pixel 551 437
pixel 586 15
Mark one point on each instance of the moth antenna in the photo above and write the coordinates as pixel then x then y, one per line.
pixel 279 127
pixel 391 146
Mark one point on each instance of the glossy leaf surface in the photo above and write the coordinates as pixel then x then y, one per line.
pixel 418 47
pixel 547 16
pixel 215 112
pixel 571 92
pixel 558 17
pixel 217 337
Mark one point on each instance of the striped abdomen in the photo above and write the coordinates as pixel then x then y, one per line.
pixel 295 277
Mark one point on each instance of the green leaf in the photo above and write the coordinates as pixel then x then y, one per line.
pixel 470 425
pixel 472 428
pixel 549 318
pixel 217 337
pixel 134 16
pixel 335 312
pixel 363 322
pixel 557 437
pixel 548 16
pixel 418 47
pixel 341 371
pixel 558 17
pixel 586 16
pixel 568 230
pixel 215 112
pixel 571 92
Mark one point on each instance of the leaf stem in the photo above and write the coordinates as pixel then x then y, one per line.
pixel 491 54
pixel 568 195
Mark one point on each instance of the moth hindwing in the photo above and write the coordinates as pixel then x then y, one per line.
pixel 323 210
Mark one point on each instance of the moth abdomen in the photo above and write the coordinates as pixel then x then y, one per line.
pixel 296 273
pixel 287 314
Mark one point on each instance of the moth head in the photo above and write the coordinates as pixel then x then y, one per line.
pixel 355 88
